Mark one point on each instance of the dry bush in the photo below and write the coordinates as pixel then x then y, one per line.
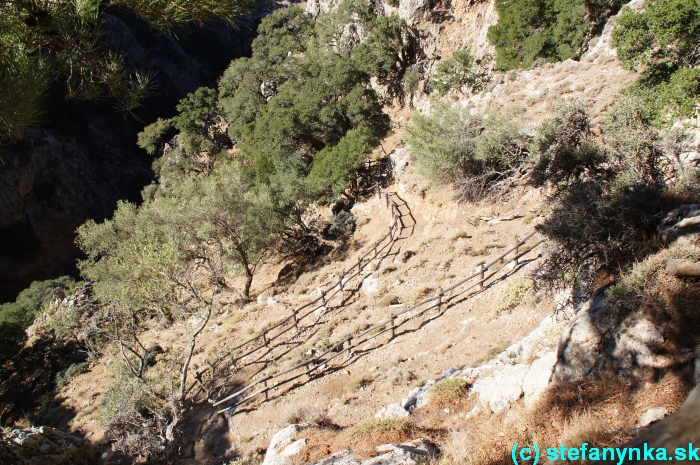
pixel 389 299
pixel 419 294
pixel 380 425
pixel 458 235
pixel 512 293
pixel 483 251
pixel 295 414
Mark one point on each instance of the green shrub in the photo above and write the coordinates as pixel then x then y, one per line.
pixel 452 388
pixel 480 156
pixel 65 377
pixel 536 31
pixel 462 70
pixel 17 316
pixel 662 39
pixel 606 200
pixel 565 147
pixel 151 138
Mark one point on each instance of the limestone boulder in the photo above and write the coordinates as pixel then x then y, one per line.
pixel 283 445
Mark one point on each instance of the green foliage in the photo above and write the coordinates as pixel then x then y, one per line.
pixel 459 72
pixel 17 316
pixel 151 139
pixel 662 39
pixel 60 40
pixel 551 30
pixel 606 200
pixel 341 224
pixel 66 376
pixel 565 147
pixel 388 52
pixel 332 168
pixel 477 154
pixel 298 107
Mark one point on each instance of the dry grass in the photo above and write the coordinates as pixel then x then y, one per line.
pixel 494 350
pixel 389 299
pixel 448 390
pixel 596 412
pixel 379 425
pixel 294 414
pixel 419 294
pixel 512 293
pixel 361 439
pixel 365 379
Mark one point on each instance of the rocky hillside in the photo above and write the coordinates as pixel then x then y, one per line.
pixel 526 290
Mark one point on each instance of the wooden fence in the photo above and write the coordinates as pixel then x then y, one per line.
pixel 260 348
pixel 396 324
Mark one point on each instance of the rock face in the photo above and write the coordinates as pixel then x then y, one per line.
pixel 523 370
pixel 581 342
pixel 42 445
pixel 408 453
pixel 84 158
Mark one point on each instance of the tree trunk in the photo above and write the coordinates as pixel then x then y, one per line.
pixel 248 282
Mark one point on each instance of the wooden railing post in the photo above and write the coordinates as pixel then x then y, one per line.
pixel 340 283
pixel 482 271
pixel 323 297
pixel 392 326
pixel 264 338
pixel 296 320
pixel 359 265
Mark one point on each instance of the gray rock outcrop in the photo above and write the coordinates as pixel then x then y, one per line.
pixel 408 453
pixel 42 445
pixel 681 226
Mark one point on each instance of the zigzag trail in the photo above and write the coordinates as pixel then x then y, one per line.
pixel 252 358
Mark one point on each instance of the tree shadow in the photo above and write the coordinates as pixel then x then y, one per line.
pixel 28 389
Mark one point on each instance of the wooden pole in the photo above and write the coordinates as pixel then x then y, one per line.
pixel 682 268
pixel 481 275
pixel 359 265
pixel 393 326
